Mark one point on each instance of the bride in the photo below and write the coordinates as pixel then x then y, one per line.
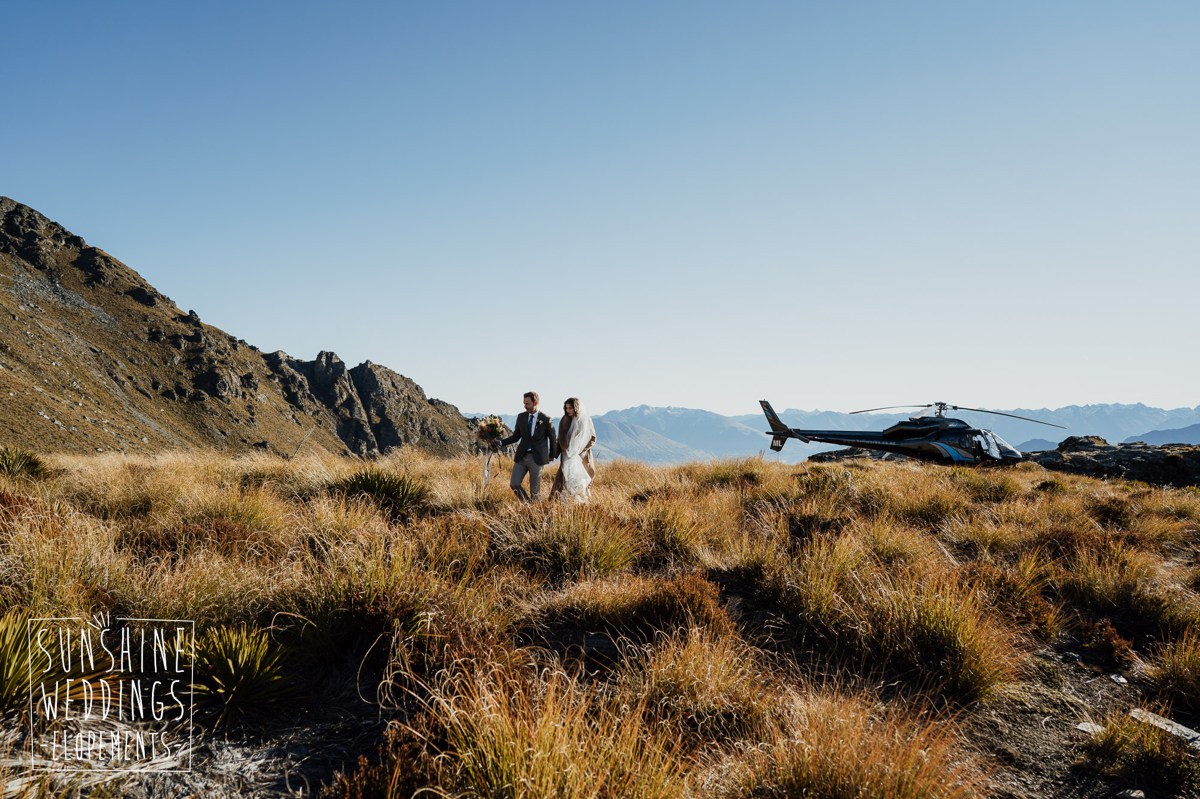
pixel 576 435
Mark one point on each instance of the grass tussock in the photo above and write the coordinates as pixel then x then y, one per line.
pixel 513 733
pixel 839 746
pixel 1020 589
pixel 639 607
pixel 943 634
pixel 988 486
pixel 708 687
pixel 931 627
pixel 1145 755
pixel 743 474
pixel 1174 671
pixel 1123 583
pixel 567 542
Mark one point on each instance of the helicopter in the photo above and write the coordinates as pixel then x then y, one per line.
pixel 936 438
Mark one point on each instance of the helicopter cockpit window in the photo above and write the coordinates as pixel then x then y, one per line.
pixel 991 444
pixel 1005 447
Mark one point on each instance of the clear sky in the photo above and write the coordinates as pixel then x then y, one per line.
pixel 831 205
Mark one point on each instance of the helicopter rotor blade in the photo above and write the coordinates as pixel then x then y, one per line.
pixel 893 407
pixel 1012 415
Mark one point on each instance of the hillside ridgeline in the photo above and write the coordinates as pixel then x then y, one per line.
pixel 94 358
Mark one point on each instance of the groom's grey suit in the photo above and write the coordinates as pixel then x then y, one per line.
pixel 535 439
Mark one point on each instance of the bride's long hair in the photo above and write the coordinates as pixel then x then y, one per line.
pixel 564 424
pixel 570 427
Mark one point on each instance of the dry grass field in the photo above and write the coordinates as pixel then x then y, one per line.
pixel 727 629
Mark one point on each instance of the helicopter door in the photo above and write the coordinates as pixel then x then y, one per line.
pixel 988 441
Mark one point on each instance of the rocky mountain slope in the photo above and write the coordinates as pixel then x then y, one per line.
pixel 93 358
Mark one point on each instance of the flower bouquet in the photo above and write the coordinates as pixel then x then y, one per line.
pixel 490 429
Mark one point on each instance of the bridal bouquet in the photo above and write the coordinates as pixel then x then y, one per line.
pixel 490 429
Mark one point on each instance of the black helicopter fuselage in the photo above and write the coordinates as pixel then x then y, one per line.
pixel 929 438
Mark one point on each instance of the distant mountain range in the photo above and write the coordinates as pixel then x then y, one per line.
pixel 1183 435
pixel 675 435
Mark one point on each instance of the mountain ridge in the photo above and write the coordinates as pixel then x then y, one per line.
pixel 94 358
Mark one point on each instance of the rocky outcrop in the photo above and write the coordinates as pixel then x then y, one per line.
pixel 324 385
pixel 399 414
pixel 1172 464
pixel 849 454
pixel 92 357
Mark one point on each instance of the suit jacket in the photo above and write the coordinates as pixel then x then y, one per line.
pixel 542 443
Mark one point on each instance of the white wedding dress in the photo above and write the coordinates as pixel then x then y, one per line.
pixel 575 476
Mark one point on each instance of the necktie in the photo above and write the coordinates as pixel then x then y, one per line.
pixel 532 419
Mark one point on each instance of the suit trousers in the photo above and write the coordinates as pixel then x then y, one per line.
pixel 534 469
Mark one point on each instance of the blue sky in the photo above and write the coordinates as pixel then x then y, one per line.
pixel 832 205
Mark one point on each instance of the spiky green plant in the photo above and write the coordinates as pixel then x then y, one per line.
pixel 18 463
pixel 19 660
pixel 399 495
pixel 16 662
pixel 239 674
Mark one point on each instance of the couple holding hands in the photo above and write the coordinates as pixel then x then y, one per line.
pixel 537 443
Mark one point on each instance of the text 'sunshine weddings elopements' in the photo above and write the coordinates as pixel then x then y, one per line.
pixel 110 693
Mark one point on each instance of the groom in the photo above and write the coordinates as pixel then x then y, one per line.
pixel 535 446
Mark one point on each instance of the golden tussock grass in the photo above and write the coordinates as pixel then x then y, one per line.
pixel 1174 670
pixel 708 686
pixel 638 607
pixel 514 732
pixel 565 542
pixel 1150 757
pixel 842 746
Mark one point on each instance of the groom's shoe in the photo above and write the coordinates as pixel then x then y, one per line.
pixel 521 495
